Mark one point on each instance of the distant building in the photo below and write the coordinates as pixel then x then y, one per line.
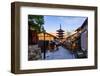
pixel 60 33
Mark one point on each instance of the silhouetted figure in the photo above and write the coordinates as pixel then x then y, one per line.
pixel 52 46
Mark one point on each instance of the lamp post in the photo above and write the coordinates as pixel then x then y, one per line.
pixel 44 50
pixel 44 47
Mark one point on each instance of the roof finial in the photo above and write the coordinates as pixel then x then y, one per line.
pixel 60 26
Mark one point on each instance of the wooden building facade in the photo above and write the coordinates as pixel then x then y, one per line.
pixel 79 40
pixel 46 36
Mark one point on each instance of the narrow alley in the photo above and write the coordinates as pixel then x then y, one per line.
pixel 61 53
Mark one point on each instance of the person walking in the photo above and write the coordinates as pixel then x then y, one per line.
pixel 52 46
pixel 56 44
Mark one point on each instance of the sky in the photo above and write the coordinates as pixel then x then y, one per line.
pixel 68 23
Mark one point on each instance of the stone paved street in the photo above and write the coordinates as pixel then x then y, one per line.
pixel 62 53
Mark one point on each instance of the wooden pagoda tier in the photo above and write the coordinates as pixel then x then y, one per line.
pixel 60 33
pixel 60 30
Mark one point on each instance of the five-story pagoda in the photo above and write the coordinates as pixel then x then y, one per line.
pixel 60 33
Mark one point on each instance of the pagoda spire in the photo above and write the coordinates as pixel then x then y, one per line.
pixel 60 26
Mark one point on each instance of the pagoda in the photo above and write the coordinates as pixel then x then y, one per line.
pixel 60 33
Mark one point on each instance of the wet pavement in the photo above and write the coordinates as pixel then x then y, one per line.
pixel 61 53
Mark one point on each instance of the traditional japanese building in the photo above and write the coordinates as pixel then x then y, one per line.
pixel 32 37
pixel 78 41
pixel 83 31
pixel 60 33
pixel 46 36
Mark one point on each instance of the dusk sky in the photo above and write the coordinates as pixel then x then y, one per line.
pixel 68 23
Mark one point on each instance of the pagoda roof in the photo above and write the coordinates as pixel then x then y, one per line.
pixel 59 33
pixel 60 30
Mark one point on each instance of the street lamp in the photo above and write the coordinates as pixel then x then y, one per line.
pixel 44 50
